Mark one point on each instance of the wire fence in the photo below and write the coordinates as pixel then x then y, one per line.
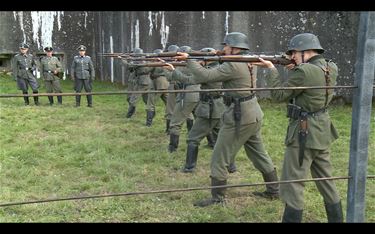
pixel 176 91
pixel 174 190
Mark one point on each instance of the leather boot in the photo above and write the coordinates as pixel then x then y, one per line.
pixel 89 100
pixel 334 212
pixel 173 143
pixel 26 99
pixel 131 111
pixel 272 190
pixel 167 126
pixel 232 168
pixel 78 100
pixel 210 140
pixel 191 158
pixel 36 99
pixel 149 118
pixel 189 124
pixel 59 100
pixel 50 99
pixel 292 215
pixel 218 194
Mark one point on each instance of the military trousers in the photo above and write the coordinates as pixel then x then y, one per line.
pixel 159 83
pixel 318 161
pixel 182 111
pixel 130 88
pixel 134 98
pixel 23 84
pixel 227 146
pixel 201 128
pixel 82 83
pixel 53 86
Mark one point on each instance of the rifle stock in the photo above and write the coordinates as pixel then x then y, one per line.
pixel 159 64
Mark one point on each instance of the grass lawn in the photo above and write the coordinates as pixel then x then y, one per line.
pixel 60 151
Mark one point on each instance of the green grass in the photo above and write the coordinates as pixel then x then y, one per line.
pixel 60 151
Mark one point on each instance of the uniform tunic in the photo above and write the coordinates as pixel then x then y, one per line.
pixel 235 75
pixel 23 67
pixel 321 132
pixel 47 66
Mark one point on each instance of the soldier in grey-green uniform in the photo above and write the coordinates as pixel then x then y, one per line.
pixel 158 82
pixel 131 78
pixel 50 67
pixel 310 131
pixel 142 82
pixel 171 99
pixel 23 66
pixel 208 115
pixel 83 73
pixel 185 105
pixel 242 120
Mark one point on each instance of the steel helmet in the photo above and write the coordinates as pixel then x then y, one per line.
pixel 138 51
pixel 173 48
pixel 237 40
pixel 158 51
pixel 185 49
pixel 304 41
pixel 208 49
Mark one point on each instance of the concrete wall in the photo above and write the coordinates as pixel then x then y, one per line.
pixel 268 31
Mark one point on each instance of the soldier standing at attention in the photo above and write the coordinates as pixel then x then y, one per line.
pixel 242 120
pixel 310 131
pixel 23 66
pixel 83 73
pixel 50 67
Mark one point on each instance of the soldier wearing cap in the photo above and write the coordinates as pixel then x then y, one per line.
pixel 242 120
pixel 310 131
pixel 50 67
pixel 83 73
pixel 23 66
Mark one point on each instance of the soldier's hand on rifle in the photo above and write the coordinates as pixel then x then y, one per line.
pixel 290 66
pixel 181 56
pixel 263 63
pixel 169 67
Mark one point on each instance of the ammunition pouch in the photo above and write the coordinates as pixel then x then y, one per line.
pixel 293 111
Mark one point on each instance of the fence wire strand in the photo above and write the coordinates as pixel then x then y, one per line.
pixel 174 190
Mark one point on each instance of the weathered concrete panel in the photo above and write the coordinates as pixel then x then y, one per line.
pixel 268 31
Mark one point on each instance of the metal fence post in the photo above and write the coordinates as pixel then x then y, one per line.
pixel 361 117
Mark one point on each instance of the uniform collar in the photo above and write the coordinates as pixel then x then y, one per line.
pixel 314 58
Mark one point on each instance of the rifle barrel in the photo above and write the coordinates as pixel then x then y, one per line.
pixel 276 59
pixel 160 64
